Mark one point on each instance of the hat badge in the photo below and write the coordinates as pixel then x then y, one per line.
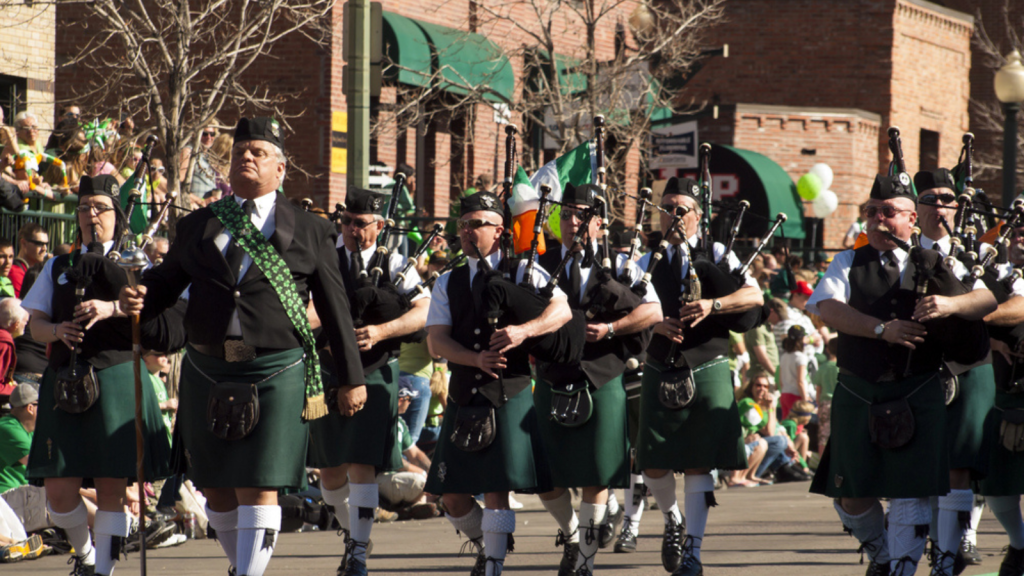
pixel 487 201
pixel 375 202
pixel 904 179
pixel 694 189
pixel 275 129
pixel 949 180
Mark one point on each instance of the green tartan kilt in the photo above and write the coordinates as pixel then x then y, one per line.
pixel 369 437
pixel 594 454
pixel 969 446
pixel 853 467
pixel 515 461
pixel 705 434
pixel 1005 469
pixel 100 442
pixel 273 455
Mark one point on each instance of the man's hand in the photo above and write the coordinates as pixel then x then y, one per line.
pixel 507 338
pixel 351 399
pixel 670 328
pixel 93 311
pixel 904 333
pixel 489 361
pixel 694 312
pixel 934 307
pixel 597 331
pixel 1003 348
pixel 131 299
pixel 69 333
pixel 367 337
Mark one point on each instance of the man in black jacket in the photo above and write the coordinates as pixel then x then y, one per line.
pixel 239 330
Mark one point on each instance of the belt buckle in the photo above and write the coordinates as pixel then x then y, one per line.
pixel 238 351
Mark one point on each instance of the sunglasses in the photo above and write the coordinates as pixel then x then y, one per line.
pixel 887 211
pixel 348 221
pixel 474 224
pixel 84 209
pixel 943 198
pixel 673 209
pixel 209 133
pixel 40 243
pixel 157 169
pixel 568 213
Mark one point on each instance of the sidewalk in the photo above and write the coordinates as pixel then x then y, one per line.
pixel 768 531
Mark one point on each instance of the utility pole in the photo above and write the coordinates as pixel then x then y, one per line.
pixel 358 93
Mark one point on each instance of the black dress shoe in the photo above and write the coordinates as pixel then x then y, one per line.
pixel 608 529
pixel 1013 562
pixel 672 547
pixel 875 569
pixel 689 565
pixel 570 552
pixel 627 540
pixel 970 551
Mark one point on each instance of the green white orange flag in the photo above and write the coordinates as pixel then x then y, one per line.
pixel 524 204
pixel 578 166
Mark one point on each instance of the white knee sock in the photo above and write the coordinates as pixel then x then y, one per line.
pixel 976 511
pixel 700 496
pixel 951 528
pixel 869 529
pixel 561 510
pixel 363 500
pixel 592 516
pixel 338 499
pixel 933 526
pixel 635 502
pixel 908 525
pixel 108 526
pixel 497 525
pixel 1007 510
pixel 613 503
pixel 76 525
pixel 226 526
pixel 664 490
pixel 257 535
pixel 470 524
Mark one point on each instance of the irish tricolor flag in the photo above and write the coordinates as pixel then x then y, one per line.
pixel 524 204
pixel 578 166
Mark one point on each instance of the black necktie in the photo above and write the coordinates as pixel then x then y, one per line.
pixel 235 252
pixel 677 263
pixel 891 269
pixel 357 265
pixel 476 288
pixel 575 277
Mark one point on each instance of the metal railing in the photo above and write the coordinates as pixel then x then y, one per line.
pixel 61 228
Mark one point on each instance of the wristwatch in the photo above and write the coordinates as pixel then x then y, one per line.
pixel 716 305
pixel 880 329
pixel 611 331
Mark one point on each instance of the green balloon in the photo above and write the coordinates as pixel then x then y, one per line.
pixel 809 186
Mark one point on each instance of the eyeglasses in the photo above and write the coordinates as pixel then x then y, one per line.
pixel 674 209
pixel 474 224
pixel 887 211
pixel 30 128
pixel 568 213
pixel 348 221
pixel 209 133
pixel 95 209
pixel 39 243
pixel 933 198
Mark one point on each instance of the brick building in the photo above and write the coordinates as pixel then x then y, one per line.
pixel 27 62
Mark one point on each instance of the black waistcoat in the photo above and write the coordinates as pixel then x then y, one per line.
pixel 108 342
pixel 874 359
pixel 602 361
pixel 470 329
pixel 382 352
pixel 702 343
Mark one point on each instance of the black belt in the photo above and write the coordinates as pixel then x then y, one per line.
pixel 233 350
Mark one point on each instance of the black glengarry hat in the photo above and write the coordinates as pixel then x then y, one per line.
pixel 259 128
pixel 102 185
pixel 362 201
pixel 938 178
pixel 582 195
pixel 685 186
pixel 482 201
pixel 888 186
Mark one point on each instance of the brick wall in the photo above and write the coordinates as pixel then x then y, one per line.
pixel 26 51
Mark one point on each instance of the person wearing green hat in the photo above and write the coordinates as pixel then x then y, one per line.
pixel 252 262
pixel 72 424
pixel 891 346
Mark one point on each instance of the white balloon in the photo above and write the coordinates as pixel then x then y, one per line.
pixel 822 170
pixel 825 204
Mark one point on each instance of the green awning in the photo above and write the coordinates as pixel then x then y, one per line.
pixel 469 59
pixel 763 183
pixel 407 46
pixel 571 79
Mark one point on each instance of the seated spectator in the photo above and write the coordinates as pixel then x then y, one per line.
pixel 32 357
pixel 824 381
pixel 16 431
pixel 6 263
pixel 794 381
pixel 781 452
pixel 751 419
pixel 157 249
pixel 402 490
pixel 33 242
pixel 797 418
pixel 13 319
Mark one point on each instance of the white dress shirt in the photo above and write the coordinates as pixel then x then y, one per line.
pixel 40 297
pixel 264 218
pixel 635 273
pixel 395 263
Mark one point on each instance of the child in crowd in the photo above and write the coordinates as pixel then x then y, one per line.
pixel 793 378
pixel 824 381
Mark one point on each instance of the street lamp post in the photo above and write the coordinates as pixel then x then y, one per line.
pixel 1009 84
